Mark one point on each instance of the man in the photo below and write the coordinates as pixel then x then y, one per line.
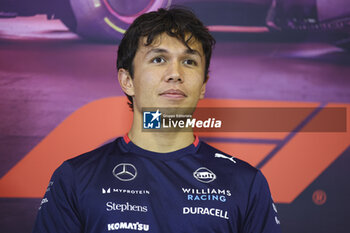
pixel 160 182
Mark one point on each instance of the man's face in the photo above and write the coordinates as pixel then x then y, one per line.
pixel 168 74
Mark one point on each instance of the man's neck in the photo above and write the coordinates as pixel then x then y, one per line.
pixel 161 142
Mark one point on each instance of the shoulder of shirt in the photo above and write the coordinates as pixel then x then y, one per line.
pixel 210 152
pixel 93 156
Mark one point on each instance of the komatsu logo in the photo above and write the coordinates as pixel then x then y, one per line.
pixel 204 175
pixel 128 226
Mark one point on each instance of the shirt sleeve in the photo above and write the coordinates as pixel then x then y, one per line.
pixel 261 214
pixel 58 210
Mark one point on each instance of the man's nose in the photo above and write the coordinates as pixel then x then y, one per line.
pixel 174 73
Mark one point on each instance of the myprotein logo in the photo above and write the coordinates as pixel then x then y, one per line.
pixel 112 206
pixel 125 191
pixel 127 226
pixel 104 191
pixel 206 194
pixel 125 171
pixel 204 175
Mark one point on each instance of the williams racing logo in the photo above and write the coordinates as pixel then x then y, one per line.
pixel 206 194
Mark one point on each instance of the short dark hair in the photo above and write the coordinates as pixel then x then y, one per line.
pixel 176 22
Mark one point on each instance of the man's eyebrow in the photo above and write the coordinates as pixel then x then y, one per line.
pixel 157 50
pixel 193 51
pixel 160 50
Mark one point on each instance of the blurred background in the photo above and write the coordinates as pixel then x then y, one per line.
pixel 59 95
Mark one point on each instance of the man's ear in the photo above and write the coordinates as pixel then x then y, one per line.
pixel 126 82
pixel 203 89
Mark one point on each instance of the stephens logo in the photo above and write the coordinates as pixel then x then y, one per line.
pixel 151 120
pixel 110 206
pixel 204 175
pixel 125 171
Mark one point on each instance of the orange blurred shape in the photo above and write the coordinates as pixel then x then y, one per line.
pixel 289 171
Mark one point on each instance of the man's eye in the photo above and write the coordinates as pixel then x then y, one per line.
pixel 190 62
pixel 158 60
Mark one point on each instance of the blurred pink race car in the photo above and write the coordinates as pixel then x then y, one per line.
pixel 107 20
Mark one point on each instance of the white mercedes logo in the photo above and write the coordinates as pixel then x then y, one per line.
pixel 125 171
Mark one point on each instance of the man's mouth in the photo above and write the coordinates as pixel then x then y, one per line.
pixel 173 93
